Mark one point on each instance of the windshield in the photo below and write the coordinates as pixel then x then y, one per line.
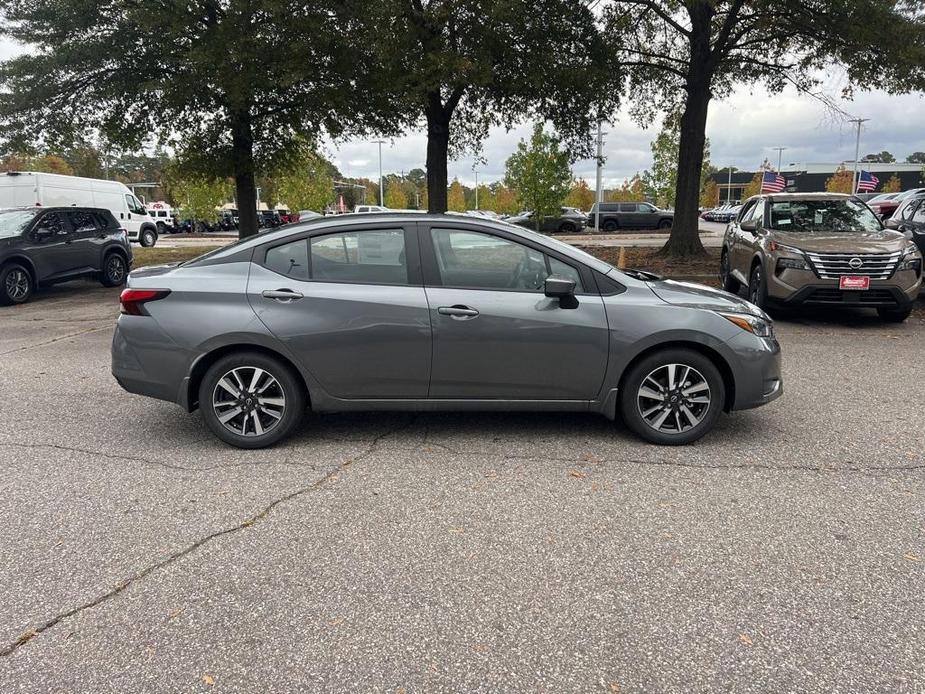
pixel 813 216
pixel 12 222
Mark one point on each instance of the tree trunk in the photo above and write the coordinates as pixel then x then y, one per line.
pixel 245 182
pixel 438 146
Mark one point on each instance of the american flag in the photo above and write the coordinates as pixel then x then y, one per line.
pixel 867 182
pixel 772 182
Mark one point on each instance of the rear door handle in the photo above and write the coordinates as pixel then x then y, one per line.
pixel 282 295
pixel 458 311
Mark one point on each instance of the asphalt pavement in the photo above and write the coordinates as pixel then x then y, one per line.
pixel 446 552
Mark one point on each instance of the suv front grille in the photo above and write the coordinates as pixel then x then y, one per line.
pixel 877 266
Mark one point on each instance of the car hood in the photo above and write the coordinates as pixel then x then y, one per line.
pixel 694 295
pixel 884 241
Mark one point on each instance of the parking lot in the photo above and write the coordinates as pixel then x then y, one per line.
pixel 461 552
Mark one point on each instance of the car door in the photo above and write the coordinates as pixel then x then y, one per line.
pixel 740 249
pixel 646 216
pixel 86 239
pixel 495 333
pixel 50 247
pixel 350 305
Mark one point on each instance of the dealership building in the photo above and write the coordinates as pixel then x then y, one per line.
pixel 811 178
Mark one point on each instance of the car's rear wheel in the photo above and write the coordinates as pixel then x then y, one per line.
pixel 664 224
pixel 15 284
pixel 251 400
pixel 114 271
pixel 730 283
pixel 567 228
pixel 894 315
pixel 609 225
pixel 758 287
pixel 672 397
pixel 148 238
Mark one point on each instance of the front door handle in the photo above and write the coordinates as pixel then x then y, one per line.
pixel 282 295
pixel 459 312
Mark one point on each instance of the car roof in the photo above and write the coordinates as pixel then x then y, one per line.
pixel 56 208
pixel 334 222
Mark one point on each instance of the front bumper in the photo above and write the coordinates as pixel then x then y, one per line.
pixel 792 288
pixel 757 371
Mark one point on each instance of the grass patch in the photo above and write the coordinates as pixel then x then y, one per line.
pixel 145 257
pixel 704 269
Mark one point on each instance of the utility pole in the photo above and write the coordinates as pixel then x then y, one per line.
pixel 476 172
pixel 381 191
pixel 857 152
pixel 599 196
pixel 780 153
pixel 729 188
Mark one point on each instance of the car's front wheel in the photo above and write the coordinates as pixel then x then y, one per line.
pixel 148 238
pixel 664 224
pixel 730 283
pixel 609 225
pixel 894 315
pixel 114 271
pixel 15 284
pixel 758 287
pixel 567 228
pixel 251 400
pixel 672 397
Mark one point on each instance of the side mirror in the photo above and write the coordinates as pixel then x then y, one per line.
pixel 892 224
pixel 751 226
pixel 557 287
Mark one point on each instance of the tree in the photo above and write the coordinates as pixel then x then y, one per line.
pixel 235 81
pixel 198 197
pixel 580 195
pixel 503 199
pixel 842 181
pixel 916 158
pixel 662 180
pixel 461 67
pixel 540 173
pixel 883 157
pixel 47 163
pixel 456 197
pixel 395 197
pixel 709 196
pixel 893 185
pixel 680 53
pixel 753 187
pixel 633 190
pixel 307 185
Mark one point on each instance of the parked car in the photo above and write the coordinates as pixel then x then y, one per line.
pixel 334 314
pixel 722 214
pixel 163 216
pixel 885 208
pixel 370 208
pixel 867 197
pixel 820 249
pixel 630 215
pixel 909 219
pixel 28 189
pixel 40 246
pixel 568 221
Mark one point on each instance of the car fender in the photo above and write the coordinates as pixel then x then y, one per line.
pixel 22 260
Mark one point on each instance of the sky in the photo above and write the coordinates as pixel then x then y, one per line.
pixel 743 128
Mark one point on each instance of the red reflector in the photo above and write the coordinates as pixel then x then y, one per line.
pixel 133 300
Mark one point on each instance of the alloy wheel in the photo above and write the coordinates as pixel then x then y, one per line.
pixel 17 285
pixel 115 269
pixel 755 289
pixel 673 398
pixel 248 401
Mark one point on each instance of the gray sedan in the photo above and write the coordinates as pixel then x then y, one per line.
pixel 394 311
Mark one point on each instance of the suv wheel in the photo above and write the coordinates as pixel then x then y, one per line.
pixel 15 284
pixel 567 228
pixel 672 397
pixel 894 315
pixel 758 288
pixel 148 238
pixel 664 224
pixel 730 283
pixel 114 270
pixel 609 225
pixel 251 400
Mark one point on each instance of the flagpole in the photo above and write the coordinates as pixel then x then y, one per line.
pixel 857 153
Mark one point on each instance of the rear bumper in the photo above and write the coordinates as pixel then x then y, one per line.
pixel 146 362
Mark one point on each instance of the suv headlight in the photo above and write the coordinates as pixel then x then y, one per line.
pixel 753 324
pixel 911 259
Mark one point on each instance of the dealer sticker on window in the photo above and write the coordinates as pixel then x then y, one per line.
pixel 854 283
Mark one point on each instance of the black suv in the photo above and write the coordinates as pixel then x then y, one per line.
pixel 630 215
pixel 45 245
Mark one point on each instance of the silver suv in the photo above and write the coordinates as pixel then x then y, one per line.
pixel 392 311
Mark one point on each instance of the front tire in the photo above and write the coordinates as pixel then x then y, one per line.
pixel 16 285
pixel 148 238
pixel 567 228
pixel 251 400
pixel 609 225
pixel 730 283
pixel 894 315
pixel 758 287
pixel 114 270
pixel 664 224
pixel 672 397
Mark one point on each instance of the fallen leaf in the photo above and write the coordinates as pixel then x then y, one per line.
pixel 337 620
pixel 209 680
pixel 491 474
pixel 26 637
pixel 578 473
pixel 176 613
pixel 911 557
pixel 457 531
pixel 744 638
pixel 615 686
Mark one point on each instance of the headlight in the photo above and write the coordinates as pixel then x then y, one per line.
pixel 774 246
pixel 911 259
pixel 792 264
pixel 753 324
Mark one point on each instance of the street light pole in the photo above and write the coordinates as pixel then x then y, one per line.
pixel 729 188
pixel 857 152
pixel 381 191
pixel 476 172
pixel 780 153
pixel 599 195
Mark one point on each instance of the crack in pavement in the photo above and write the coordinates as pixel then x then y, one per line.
pixel 56 339
pixel 25 638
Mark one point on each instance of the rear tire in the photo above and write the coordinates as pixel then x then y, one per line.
pixel 894 315
pixel 609 225
pixel 758 287
pixel 258 412
pixel 16 285
pixel 729 283
pixel 664 224
pixel 148 238
pixel 686 387
pixel 567 228
pixel 114 270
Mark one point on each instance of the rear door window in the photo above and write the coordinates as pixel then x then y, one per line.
pixel 367 256
pixel 290 259
pixel 52 222
pixel 627 207
pixel 83 222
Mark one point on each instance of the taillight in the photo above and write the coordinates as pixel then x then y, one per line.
pixel 134 300
pixel 124 233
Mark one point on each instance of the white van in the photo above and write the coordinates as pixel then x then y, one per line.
pixel 27 189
